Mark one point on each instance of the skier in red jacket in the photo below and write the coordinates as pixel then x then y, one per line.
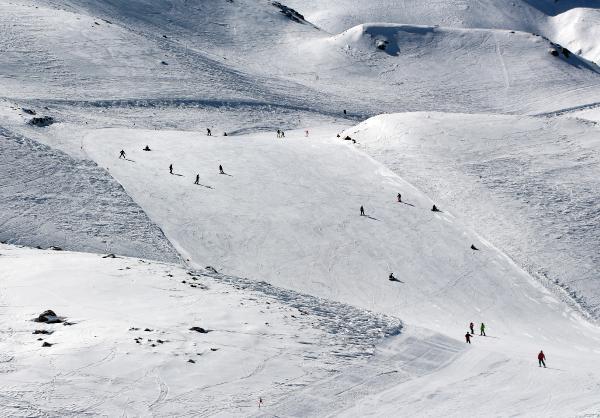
pixel 541 359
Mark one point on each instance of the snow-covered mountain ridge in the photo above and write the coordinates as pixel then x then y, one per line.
pixel 153 130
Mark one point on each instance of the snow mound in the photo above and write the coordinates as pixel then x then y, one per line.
pixel 571 23
pixel 579 30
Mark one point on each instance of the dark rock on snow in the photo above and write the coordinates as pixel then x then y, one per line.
pixel 48 317
pixel 42 121
pixel 200 330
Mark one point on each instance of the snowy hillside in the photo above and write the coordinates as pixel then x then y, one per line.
pixel 128 347
pixel 303 307
pixel 571 23
pixel 530 185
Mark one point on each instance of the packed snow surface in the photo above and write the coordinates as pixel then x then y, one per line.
pixel 530 185
pixel 287 285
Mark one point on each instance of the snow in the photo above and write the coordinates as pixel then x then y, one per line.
pixel 529 185
pixel 257 345
pixel 50 199
pixel 453 103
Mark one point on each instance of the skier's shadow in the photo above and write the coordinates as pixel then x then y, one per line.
pixel 370 217
pixel 203 185
pixel 395 280
pixel 176 174
pixel 408 204
pixel 226 174
pixel 127 159
pixel 554 368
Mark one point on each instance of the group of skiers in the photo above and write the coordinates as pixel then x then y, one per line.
pixel 399 197
pixel 472 332
pixel 122 154
pixel 280 134
pixel 541 356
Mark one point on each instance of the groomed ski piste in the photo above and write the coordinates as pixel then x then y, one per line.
pixel 261 290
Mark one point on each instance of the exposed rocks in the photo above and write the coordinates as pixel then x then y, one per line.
pixel 42 121
pixel 200 330
pixel 290 13
pixel 48 317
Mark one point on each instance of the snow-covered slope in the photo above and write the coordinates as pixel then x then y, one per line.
pixel 572 24
pixel 50 199
pixel 299 266
pixel 129 349
pixel 529 185
pixel 174 50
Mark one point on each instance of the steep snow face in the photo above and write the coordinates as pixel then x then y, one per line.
pixel 129 348
pixel 529 185
pixel 579 30
pixel 49 199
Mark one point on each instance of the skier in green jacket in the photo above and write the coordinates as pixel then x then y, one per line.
pixel 482 329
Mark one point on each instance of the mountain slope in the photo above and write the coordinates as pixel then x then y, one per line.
pixel 529 185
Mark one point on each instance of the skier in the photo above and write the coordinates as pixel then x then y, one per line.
pixel 122 154
pixel 171 168
pixel 345 112
pixel 435 209
pixel 468 337
pixel 208 132
pixel 282 134
pixel 471 325
pixel 224 133
pixel 482 329
pixel 541 359
pixel 399 198
pixel 197 179
pixel 221 169
pixel 146 148
pixel 362 211
pixel 260 402
pixel 392 278
pixel 278 133
pixel 474 248
pixel 306 133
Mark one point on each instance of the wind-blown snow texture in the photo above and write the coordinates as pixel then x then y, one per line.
pixel 49 199
pixel 301 312
pixel 530 185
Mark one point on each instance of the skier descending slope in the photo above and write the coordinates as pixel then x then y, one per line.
pixel 171 168
pixel 122 154
pixel 221 169
pixel 468 338
pixel 472 325
pixel 208 132
pixel 197 179
pixel 362 211
pixel 482 329
pixel 542 359
pixel 399 198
